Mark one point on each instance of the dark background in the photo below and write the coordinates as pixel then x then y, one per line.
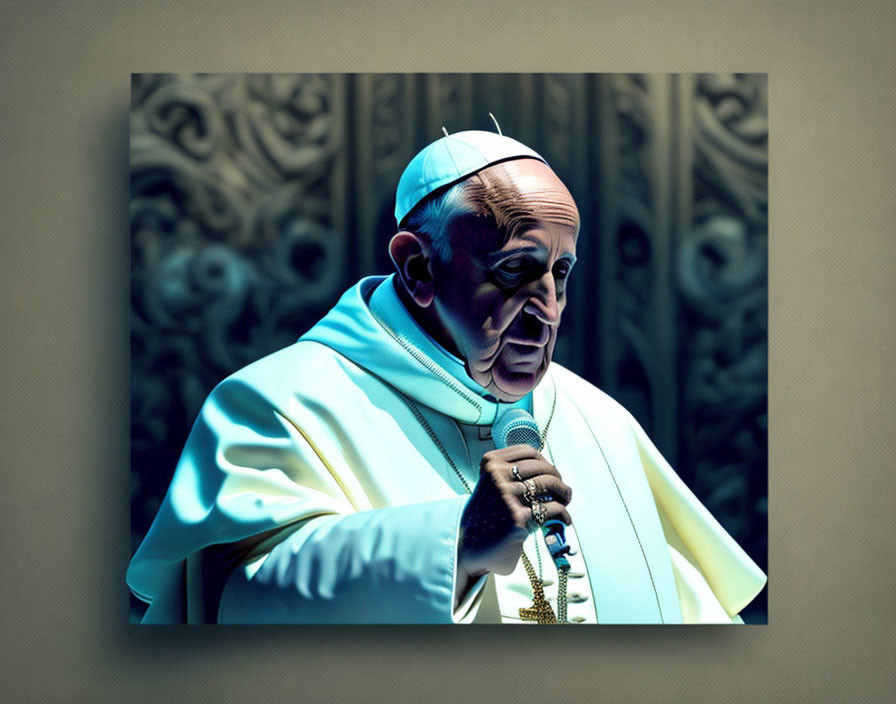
pixel 258 199
pixel 64 420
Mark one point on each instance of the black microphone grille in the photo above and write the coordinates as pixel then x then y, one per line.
pixel 516 427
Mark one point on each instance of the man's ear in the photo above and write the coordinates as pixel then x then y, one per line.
pixel 411 258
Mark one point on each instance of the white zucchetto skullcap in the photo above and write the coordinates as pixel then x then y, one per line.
pixel 450 159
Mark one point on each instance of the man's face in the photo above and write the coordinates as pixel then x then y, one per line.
pixel 500 298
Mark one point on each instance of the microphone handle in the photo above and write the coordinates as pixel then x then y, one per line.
pixel 518 426
pixel 555 539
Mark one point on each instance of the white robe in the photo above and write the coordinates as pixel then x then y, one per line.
pixel 316 486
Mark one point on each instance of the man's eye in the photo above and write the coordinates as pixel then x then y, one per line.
pixel 513 266
pixel 511 272
pixel 562 269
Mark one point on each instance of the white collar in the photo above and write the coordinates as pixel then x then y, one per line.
pixel 385 304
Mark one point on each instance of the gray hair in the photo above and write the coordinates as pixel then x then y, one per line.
pixel 432 216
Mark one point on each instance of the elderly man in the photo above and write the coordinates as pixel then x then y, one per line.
pixel 353 477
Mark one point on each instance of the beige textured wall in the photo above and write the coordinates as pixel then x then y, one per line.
pixel 64 372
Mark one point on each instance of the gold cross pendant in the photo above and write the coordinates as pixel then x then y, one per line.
pixel 540 611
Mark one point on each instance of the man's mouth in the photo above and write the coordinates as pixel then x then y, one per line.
pixel 537 336
pixel 527 329
pixel 524 356
pixel 522 345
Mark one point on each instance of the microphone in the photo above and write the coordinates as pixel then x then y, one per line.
pixel 518 427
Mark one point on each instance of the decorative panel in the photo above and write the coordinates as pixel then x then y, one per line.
pixel 385 123
pixel 630 237
pixel 237 230
pixel 722 273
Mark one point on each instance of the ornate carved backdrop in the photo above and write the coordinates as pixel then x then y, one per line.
pixel 257 199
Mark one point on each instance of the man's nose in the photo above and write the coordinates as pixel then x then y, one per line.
pixel 543 302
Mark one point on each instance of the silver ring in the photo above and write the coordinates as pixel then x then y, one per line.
pixel 539 513
pixel 530 492
pixel 515 471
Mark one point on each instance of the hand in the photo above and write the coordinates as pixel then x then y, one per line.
pixel 496 518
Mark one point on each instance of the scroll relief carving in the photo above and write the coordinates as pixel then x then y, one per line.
pixel 723 281
pixel 634 200
pixel 234 251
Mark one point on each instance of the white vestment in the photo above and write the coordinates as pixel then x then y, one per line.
pixel 321 484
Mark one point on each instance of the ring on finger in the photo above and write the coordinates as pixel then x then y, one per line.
pixel 515 471
pixel 539 513
pixel 530 493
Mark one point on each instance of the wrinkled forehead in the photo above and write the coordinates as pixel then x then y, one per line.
pixel 518 195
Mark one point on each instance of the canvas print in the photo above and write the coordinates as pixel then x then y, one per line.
pixel 449 348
